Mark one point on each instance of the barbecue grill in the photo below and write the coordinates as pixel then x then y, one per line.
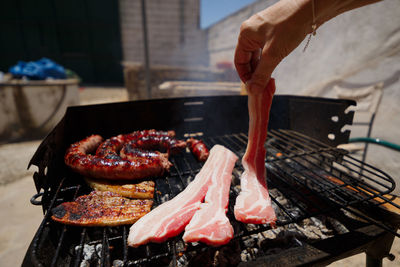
pixel 328 203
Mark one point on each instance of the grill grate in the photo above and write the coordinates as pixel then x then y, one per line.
pixel 314 179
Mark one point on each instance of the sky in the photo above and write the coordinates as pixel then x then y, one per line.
pixel 212 11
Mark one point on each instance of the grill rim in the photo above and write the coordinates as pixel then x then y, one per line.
pixel 49 156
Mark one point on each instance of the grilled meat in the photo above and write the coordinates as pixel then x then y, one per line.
pixel 141 190
pixel 101 209
pixel 146 140
pixel 198 148
pixel 130 152
pixel 134 162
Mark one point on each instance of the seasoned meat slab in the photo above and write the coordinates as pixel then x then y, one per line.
pixel 143 189
pixel 101 209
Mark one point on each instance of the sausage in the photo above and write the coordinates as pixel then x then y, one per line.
pixel 134 163
pixel 79 160
pixel 146 139
pixel 198 148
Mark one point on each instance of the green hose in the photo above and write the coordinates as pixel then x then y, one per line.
pixel 375 141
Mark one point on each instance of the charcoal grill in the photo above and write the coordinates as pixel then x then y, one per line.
pixel 310 181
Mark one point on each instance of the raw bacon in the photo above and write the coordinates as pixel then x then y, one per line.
pixel 253 205
pixel 171 217
pixel 210 224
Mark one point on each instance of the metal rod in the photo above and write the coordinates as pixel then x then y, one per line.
pixel 146 49
pixel 59 245
pixel 124 239
pixel 105 249
pixel 81 247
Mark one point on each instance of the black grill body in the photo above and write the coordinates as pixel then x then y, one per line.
pixel 300 160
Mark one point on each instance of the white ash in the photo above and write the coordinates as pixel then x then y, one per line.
pixel 164 198
pixel 338 226
pixel 90 254
pixel 118 263
pixel 99 247
pixel 88 251
pixel 181 261
pixel 352 215
pixel 228 255
pixel 180 246
pixel 292 235
pixel 249 254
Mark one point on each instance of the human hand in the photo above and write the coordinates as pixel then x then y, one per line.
pixel 267 37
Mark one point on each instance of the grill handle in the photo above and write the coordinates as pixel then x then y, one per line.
pixel 34 198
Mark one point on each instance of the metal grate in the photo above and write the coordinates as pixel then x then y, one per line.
pixel 314 179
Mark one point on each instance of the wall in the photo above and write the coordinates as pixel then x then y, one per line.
pixel 174 33
pixel 222 36
pixel 81 35
pixel 31 109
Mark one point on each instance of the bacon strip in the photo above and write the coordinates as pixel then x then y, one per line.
pixel 170 218
pixel 253 205
pixel 210 224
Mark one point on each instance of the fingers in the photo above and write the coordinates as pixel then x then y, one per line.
pixel 254 67
pixel 242 61
pixel 255 58
pixel 262 73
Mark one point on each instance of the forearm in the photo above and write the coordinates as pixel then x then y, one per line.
pixel 269 36
pixel 300 11
pixel 325 10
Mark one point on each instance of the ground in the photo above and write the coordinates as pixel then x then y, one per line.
pixel 20 219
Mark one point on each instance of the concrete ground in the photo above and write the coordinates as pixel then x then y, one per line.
pixel 20 219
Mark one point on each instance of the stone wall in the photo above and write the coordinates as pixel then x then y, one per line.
pixel 174 33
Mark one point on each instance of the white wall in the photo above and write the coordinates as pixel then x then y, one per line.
pixel 222 36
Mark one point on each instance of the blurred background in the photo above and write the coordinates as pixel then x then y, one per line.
pixel 54 54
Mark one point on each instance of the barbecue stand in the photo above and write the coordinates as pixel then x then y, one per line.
pixel 310 182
